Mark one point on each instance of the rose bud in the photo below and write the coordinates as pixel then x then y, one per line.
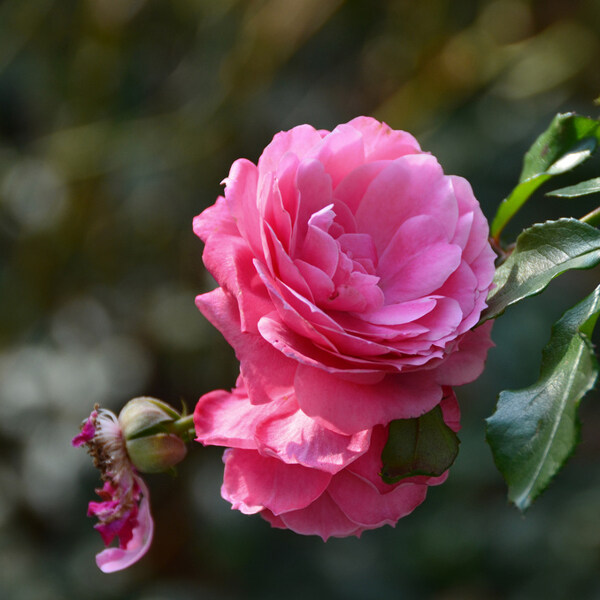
pixel 147 426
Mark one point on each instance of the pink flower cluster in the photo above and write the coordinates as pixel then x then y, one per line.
pixel 351 272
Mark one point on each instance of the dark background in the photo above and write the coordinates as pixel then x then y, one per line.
pixel 118 120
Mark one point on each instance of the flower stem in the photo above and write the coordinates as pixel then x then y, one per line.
pixel 592 218
pixel 184 427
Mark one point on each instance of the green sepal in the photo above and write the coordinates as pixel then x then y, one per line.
pixel 144 415
pixel 424 445
pixel 156 453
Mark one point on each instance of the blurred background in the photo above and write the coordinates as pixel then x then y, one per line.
pixel 118 120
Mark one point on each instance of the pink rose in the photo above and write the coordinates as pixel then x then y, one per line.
pixel 351 271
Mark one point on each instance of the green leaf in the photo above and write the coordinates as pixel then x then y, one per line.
pixel 421 446
pixel 591 186
pixel 570 140
pixel 542 252
pixel 535 430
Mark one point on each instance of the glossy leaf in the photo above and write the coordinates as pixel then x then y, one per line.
pixel 535 430
pixel 420 446
pixel 570 140
pixel 591 186
pixel 542 252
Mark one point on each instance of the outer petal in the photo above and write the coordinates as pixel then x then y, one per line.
pixel 240 193
pixel 215 220
pixel 383 142
pixel 253 482
pixel 295 438
pixel 315 192
pixel 341 152
pixel 253 352
pixel 363 504
pixel 299 141
pixel 323 517
pixel 229 260
pixel 352 188
pixel 466 363
pixel 274 520
pixel 229 419
pixel 478 236
pixel 350 407
pixel 116 559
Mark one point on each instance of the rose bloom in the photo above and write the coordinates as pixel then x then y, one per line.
pixel 351 272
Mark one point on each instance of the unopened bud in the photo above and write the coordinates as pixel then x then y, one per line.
pixel 156 453
pixel 151 436
pixel 144 413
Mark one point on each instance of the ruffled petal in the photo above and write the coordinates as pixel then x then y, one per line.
pixel 383 142
pixel 363 504
pixel 349 407
pixel 117 559
pixel 466 363
pixel 323 518
pixel 252 351
pixel 229 418
pixel 253 482
pixel 295 438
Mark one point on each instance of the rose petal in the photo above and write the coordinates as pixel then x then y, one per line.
pixel 323 518
pixel 240 194
pixel 412 185
pixel 116 559
pixel 340 152
pixel 253 482
pixel 351 190
pixel 363 504
pixel 383 142
pixel 315 192
pixel 478 234
pixel 252 351
pixel 299 141
pixel 466 363
pixel 230 419
pixel 230 262
pixel 350 407
pixel 295 438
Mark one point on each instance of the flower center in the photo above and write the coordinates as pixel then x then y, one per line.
pixel 342 274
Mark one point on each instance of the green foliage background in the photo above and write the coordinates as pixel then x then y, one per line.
pixel 118 120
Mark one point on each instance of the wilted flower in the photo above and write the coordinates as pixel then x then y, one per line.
pixel 124 511
pixel 145 437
